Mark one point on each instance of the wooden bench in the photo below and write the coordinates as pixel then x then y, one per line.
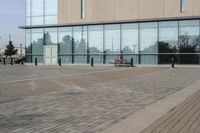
pixel 122 63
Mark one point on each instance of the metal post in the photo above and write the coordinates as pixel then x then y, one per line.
pixel 131 62
pixel 173 62
pixel 22 61
pixel 11 61
pixel 104 57
pixel 4 61
pixel 139 57
pixel 59 61
pixel 88 56
pixel 121 55
pixel 36 62
pixel 92 62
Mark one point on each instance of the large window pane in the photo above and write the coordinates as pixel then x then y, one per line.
pixel 65 44
pixel 168 41
pixel 50 7
pixel 95 42
pixel 37 7
pixel 112 42
pixel 130 41
pixel 28 46
pixel 189 41
pixel 37 20
pixel 51 37
pixel 50 19
pixel 37 44
pixel 148 42
pixel 28 20
pixel 28 8
pixel 80 43
pixel 50 11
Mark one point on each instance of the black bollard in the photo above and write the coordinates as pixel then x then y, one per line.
pixel 35 61
pixel 173 62
pixel 92 62
pixel 60 63
pixel 11 61
pixel 4 61
pixel 22 61
pixel 131 62
pixel 104 57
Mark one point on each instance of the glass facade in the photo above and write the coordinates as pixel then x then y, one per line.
pixel 80 44
pixel 189 42
pixel 112 42
pixel 40 12
pixel 65 44
pixel 146 43
pixel 130 41
pixel 95 43
pixel 168 41
pixel 37 42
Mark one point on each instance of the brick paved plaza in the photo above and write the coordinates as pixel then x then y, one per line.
pixel 81 99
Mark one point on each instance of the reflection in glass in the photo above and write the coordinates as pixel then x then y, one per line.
pixel 80 43
pixel 37 7
pixel 95 41
pixel 148 42
pixel 168 41
pixel 37 20
pixel 28 20
pixel 130 41
pixel 112 42
pixel 28 46
pixel 51 19
pixel 50 11
pixel 50 7
pixel 189 41
pixel 28 8
pixel 51 36
pixel 37 44
pixel 65 44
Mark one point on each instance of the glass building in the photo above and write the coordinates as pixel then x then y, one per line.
pixel 147 41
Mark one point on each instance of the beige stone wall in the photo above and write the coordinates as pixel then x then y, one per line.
pixel 69 11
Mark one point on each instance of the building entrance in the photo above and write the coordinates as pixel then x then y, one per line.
pixel 50 54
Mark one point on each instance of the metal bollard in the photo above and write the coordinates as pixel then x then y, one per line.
pixel 22 62
pixel 173 62
pixel 131 62
pixel 4 61
pixel 11 61
pixel 36 62
pixel 59 61
pixel 92 62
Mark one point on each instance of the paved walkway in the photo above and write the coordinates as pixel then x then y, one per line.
pixel 85 103
pixel 184 118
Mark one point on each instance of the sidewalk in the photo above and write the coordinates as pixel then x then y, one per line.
pixel 179 112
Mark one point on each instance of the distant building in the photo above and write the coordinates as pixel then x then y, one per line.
pixel 149 31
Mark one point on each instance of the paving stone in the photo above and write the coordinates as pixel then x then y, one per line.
pixel 86 103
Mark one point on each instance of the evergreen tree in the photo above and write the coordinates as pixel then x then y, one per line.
pixel 10 50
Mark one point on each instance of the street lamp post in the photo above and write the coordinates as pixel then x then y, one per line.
pixel 134 46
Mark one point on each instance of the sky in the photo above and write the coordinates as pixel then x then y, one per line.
pixel 12 15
